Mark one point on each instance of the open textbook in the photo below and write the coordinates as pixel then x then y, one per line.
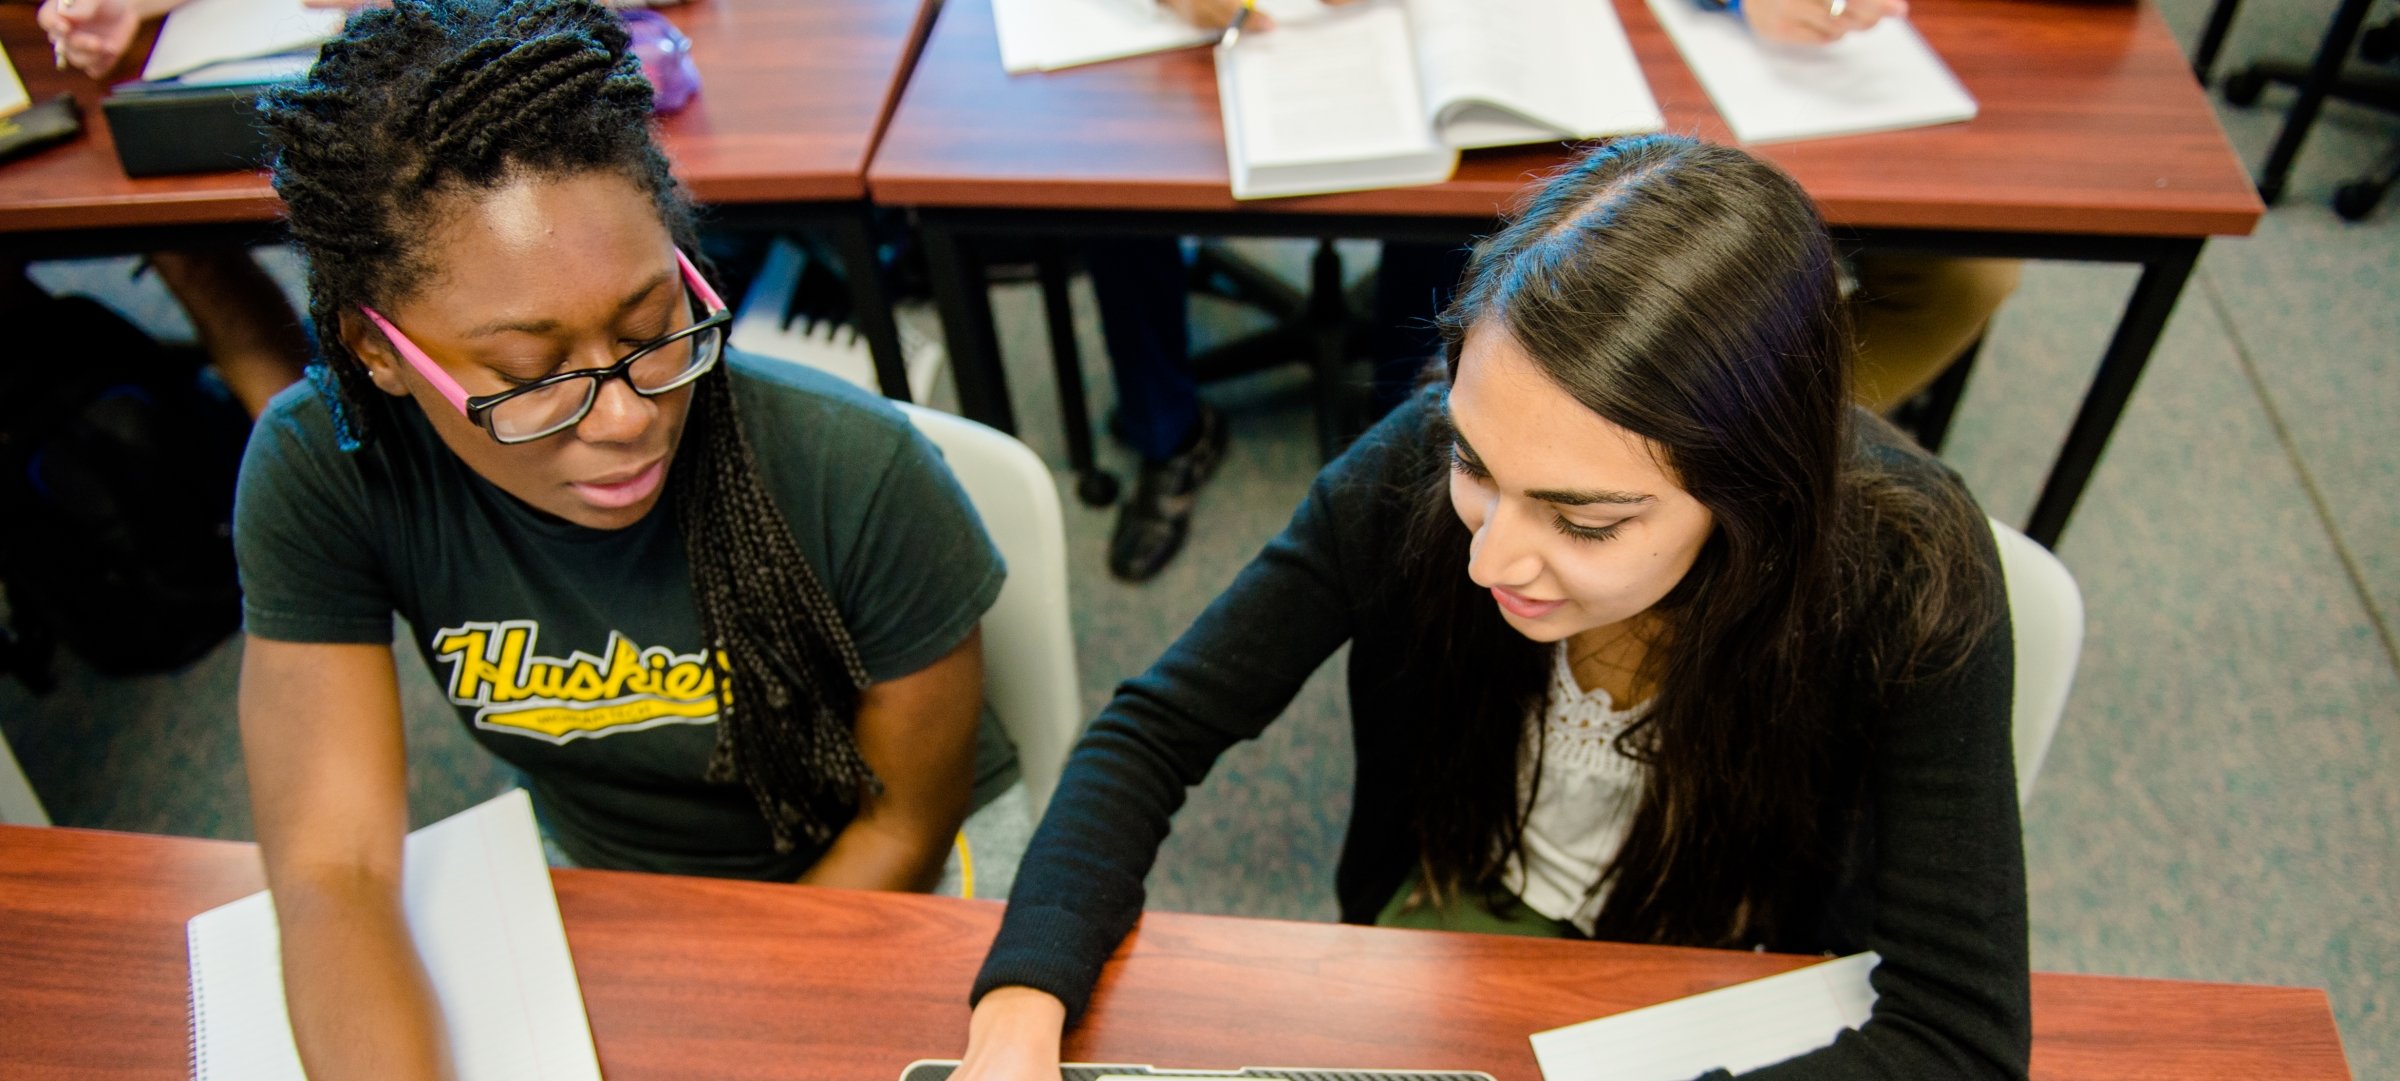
pixel 1385 93
pixel 477 896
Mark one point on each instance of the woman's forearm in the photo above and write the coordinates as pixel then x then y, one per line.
pixel 867 855
pixel 361 1006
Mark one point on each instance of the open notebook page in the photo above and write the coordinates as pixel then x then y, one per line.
pixel 1737 1028
pixel 1327 104
pixel 477 896
pixel 1504 72
pixel 1881 79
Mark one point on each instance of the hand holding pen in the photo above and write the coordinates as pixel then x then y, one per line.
pixel 92 35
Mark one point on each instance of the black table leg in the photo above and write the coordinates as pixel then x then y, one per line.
pixel 966 306
pixel 870 302
pixel 2339 38
pixel 2212 39
pixel 2121 367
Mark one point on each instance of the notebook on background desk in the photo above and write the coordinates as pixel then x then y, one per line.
pixel 1881 79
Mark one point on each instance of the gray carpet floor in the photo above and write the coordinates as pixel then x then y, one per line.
pixel 2222 799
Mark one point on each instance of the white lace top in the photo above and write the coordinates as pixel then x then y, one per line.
pixel 1585 803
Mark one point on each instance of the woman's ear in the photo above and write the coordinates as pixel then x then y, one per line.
pixel 375 352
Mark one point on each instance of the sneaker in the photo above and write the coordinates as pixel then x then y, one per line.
pixel 1151 526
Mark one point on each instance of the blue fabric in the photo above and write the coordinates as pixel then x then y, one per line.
pixel 1140 281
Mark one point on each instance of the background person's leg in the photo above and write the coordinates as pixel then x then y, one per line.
pixel 1915 314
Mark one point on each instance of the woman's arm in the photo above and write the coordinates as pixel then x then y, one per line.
pixel 1948 881
pixel 322 737
pixel 918 733
pixel 1080 887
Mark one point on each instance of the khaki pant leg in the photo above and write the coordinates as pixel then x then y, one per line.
pixel 1916 313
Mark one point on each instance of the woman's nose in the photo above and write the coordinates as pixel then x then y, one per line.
pixel 1503 552
pixel 618 415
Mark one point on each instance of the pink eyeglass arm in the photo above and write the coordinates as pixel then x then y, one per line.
pixel 457 395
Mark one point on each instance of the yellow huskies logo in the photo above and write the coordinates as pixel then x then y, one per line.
pixel 493 667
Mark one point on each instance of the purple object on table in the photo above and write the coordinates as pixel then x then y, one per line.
pixel 666 57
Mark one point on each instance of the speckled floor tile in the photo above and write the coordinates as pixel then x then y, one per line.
pixel 2220 802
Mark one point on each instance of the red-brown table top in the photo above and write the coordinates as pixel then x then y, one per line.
pixel 687 977
pixel 2090 122
pixel 793 96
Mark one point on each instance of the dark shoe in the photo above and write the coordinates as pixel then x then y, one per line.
pixel 1152 524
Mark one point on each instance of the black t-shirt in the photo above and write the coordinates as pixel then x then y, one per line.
pixel 574 653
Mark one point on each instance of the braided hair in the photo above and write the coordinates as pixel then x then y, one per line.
pixel 432 100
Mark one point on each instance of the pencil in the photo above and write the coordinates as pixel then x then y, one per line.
pixel 1233 30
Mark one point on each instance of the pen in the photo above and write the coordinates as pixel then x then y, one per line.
pixel 1233 30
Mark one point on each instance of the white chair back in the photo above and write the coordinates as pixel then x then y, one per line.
pixel 1028 641
pixel 2046 610
pixel 18 805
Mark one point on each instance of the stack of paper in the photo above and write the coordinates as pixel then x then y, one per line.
pixel 477 896
pixel 1881 79
pixel 1736 1029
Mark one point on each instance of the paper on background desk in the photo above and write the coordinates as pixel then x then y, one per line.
pixel 1881 79
pixel 1737 1028
pixel 1047 35
pixel 203 32
pixel 477 896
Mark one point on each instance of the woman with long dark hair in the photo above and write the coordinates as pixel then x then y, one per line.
pixel 1654 637
pixel 720 616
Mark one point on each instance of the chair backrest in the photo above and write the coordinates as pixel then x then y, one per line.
pixel 2046 610
pixel 18 805
pixel 1028 641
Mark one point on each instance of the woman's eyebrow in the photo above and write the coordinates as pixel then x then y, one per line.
pixel 1584 497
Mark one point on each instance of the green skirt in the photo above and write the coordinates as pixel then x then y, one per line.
pixel 1507 916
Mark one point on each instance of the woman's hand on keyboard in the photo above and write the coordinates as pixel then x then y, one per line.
pixel 1014 1036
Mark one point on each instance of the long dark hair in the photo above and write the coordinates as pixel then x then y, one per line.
pixel 1688 293
pixel 433 100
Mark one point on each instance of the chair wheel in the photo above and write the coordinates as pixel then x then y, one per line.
pixel 2243 87
pixel 2357 199
pixel 1096 488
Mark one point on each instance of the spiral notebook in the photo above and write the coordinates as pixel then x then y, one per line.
pixel 478 901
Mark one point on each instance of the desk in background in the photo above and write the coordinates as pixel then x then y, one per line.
pixel 2093 143
pixel 793 98
pixel 688 977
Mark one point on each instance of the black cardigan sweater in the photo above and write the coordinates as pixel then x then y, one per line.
pixel 1936 883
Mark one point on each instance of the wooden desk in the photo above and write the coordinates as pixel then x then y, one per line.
pixel 2093 142
pixel 793 98
pixel 731 980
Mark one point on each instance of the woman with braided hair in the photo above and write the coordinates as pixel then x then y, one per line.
pixel 721 617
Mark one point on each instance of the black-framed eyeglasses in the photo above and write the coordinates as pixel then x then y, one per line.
pixel 555 403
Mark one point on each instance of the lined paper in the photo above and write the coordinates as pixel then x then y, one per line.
pixel 477 896
pixel 1737 1028
pixel 1880 79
